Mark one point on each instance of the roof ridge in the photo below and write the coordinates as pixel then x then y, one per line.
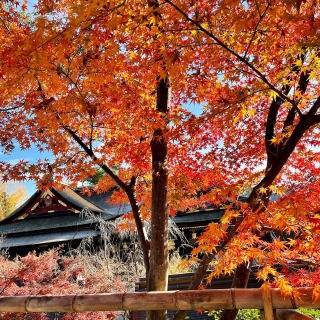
pixel 66 189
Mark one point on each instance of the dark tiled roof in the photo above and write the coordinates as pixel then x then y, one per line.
pixel 101 201
pixel 52 226
pixel 58 226
pixel 56 221
pixel 199 216
pixel 97 203
pixel 54 237
pixel 77 200
pixel 15 213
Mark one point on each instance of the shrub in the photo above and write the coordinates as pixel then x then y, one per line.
pixel 51 273
pixel 244 314
pixel 315 313
pixel 255 314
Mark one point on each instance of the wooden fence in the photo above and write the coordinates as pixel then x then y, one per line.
pixel 182 282
pixel 262 298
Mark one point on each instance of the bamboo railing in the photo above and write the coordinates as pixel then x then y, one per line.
pixel 262 298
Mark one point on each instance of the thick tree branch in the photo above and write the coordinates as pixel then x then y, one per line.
pixel 240 58
pixel 271 148
pixel 158 276
pixel 302 88
pixel 159 258
pixel 258 201
pixel 288 122
pixel 127 188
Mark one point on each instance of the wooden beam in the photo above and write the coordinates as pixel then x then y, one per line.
pixel 169 300
pixel 268 310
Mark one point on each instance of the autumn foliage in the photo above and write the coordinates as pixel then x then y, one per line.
pixel 230 88
pixel 52 274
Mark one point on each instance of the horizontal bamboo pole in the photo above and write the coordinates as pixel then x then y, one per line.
pixel 169 300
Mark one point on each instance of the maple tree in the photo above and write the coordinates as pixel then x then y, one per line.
pixel 106 83
pixel 290 115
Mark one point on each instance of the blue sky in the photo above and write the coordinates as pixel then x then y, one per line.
pixel 195 108
pixel 30 155
pixel 31 3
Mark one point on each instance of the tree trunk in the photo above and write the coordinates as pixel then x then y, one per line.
pixel 158 274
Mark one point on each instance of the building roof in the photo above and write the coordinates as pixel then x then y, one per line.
pixel 58 221
pixel 77 200
pixel 47 238
pixel 55 215
pixel 199 217
pixel 22 208
pixel 70 200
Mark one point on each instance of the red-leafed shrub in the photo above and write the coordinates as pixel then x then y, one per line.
pixel 54 274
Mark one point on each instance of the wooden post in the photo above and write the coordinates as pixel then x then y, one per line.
pixel 268 311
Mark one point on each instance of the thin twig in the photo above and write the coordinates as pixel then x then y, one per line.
pixel 256 29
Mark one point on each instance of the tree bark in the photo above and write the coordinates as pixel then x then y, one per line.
pixel 257 203
pixel 158 274
pixel 128 188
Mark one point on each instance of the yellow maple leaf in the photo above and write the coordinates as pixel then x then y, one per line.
pixel 194 32
pixel 263 190
pixel 265 272
pixel 284 286
pixel 205 25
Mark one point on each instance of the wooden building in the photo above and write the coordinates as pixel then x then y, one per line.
pixel 55 217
